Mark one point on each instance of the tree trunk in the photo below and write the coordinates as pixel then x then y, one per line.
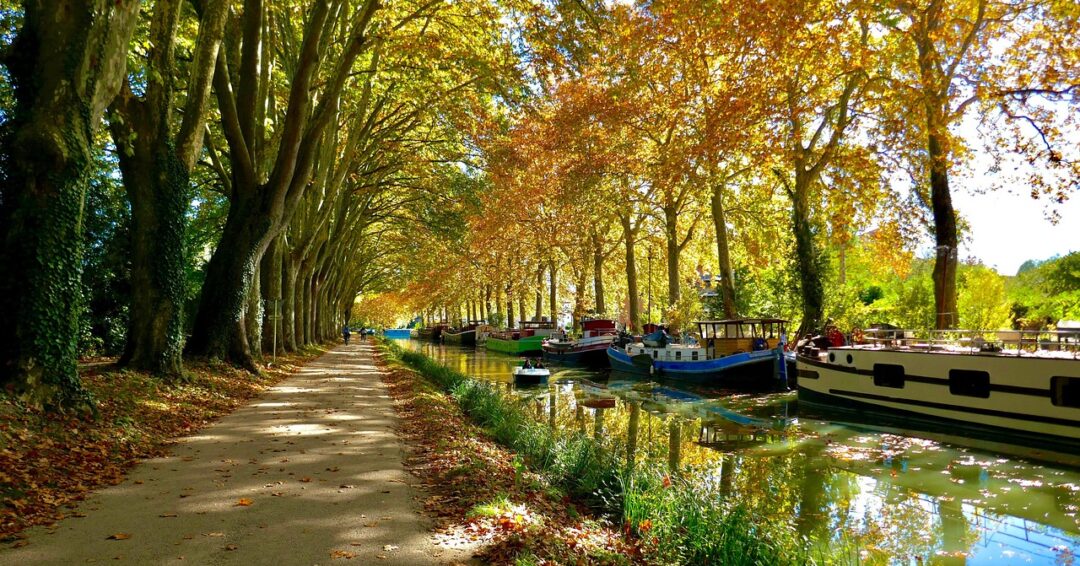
pixel 290 307
pixel 807 259
pixel 156 164
pixel 510 307
pixel 539 293
pixel 219 329
pixel 253 313
pixel 671 238
pixel 598 274
pixel 271 276
pixel 723 255
pixel 945 258
pixel 157 188
pixel 634 298
pixel 553 282
pixel 65 66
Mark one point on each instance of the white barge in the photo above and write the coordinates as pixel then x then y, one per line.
pixel 1023 390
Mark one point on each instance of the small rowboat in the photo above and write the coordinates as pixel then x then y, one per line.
pixel 531 375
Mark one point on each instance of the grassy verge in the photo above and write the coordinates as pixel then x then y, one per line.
pixel 485 499
pixel 674 520
pixel 51 460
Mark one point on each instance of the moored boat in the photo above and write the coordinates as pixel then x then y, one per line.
pixel 527 340
pixel 433 332
pixel 464 336
pixel 1025 389
pixel 745 352
pixel 590 349
pixel 398 333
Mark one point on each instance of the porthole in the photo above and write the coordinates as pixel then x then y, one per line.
pixel 850 359
pixel 832 357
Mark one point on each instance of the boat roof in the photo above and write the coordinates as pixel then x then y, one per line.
pixel 743 321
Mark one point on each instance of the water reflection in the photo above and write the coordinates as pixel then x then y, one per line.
pixel 872 496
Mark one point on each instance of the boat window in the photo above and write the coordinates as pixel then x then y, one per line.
pixel 1065 391
pixel 678 354
pixel 693 356
pixel 654 354
pixel 889 375
pixel 969 383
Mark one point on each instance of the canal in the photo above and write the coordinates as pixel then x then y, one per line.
pixel 890 496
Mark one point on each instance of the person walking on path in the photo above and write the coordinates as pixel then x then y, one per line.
pixel 307 473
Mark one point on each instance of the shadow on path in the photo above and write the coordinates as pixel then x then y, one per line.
pixel 308 473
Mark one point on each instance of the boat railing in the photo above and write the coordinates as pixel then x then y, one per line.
pixel 1005 342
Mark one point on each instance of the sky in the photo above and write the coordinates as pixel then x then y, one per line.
pixel 1008 229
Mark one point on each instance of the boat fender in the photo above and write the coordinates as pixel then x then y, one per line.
pixel 759 344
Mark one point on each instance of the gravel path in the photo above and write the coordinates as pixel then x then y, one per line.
pixel 308 473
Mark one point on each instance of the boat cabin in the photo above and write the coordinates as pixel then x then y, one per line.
pixel 536 328
pixel 597 327
pixel 725 337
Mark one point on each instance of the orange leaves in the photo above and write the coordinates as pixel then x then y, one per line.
pixel 243 502
pixel 118 536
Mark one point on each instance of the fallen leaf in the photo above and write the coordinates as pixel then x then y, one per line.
pixel 343 554
pixel 231 547
pixel 167 515
pixel 118 536
pixel 215 534
pixel 243 502
pixel 390 547
pixel 305 479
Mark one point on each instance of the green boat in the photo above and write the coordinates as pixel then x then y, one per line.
pixel 526 341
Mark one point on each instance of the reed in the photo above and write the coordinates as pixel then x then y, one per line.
pixel 680 522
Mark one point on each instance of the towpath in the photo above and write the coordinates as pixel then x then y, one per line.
pixel 308 473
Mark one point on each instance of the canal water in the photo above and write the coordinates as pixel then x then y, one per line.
pixel 895 497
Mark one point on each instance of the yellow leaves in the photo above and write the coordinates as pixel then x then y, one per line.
pixel 243 502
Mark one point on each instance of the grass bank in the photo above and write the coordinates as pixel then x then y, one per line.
pixel 484 498
pixel 674 520
pixel 51 460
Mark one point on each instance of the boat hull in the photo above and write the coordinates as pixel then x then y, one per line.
pixel 749 369
pixel 1008 398
pixel 587 356
pixel 466 338
pixel 528 345
pixel 530 377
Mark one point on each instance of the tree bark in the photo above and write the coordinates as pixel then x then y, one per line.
pixel 539 293
pixel 807 259
pixel 945 258
pixel 290 307
pixel 271 277
pixel 629 237
pixel 253 313
pixel 553 282
pixel 156 164
pixel 723 253
pixel 671 239
pixel 598 274
pixel 65 66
